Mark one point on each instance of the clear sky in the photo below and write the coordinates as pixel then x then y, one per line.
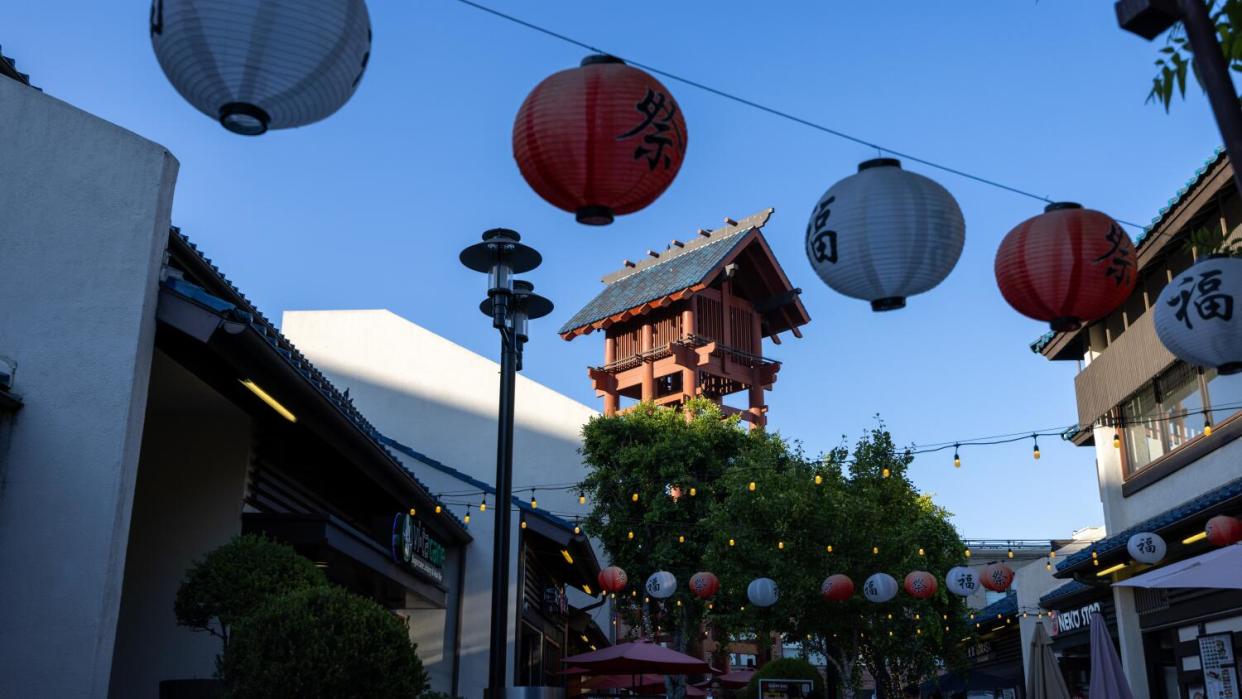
pixel 369 208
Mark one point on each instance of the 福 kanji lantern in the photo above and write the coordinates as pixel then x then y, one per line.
pixel 920 584
pixel 1066 266
pixel 704 584
pixel 1194 315
pixel 996 577
pixel 600 140
pixel 612 579
pixel 1223 530
pixel 837 588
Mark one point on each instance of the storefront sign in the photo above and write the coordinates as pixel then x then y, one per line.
pixel 414 546
pixel 981 652
pixel 1073 619
pixel 1220 677
pixel 785 689
pixel 555 601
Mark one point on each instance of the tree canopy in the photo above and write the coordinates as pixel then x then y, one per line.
pixel 1175 57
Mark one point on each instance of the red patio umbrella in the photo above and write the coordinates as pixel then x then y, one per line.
pixel 638 657
pixel 647 681
pixel 735 679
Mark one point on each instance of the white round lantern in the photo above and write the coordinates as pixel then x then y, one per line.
pixel 1195 315
pixel 762 592
pixel 962 581
pixel 880 587
pixel 262 64
pixel 884 234
pixel 661 585
pixel 1146 547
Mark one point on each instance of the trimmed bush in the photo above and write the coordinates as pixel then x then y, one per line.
pixel 784 669
pixel 321 642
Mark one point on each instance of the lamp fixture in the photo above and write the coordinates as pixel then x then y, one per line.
pixel 267 398
pixel 1195 537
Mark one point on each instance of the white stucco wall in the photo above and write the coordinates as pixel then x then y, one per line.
pixel 441 400
pixel 84 217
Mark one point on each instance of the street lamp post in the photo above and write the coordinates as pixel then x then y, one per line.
pixel 511 304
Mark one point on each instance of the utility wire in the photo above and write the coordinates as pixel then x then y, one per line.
pixel 773 111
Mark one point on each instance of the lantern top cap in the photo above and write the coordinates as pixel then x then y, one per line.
pixel 600 58
pixel 502 234
pixel 501 245
pixel 1062 206
pixel 879 162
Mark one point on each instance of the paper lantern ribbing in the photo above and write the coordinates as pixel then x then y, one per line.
pixel 996 577
pixel 1195 318
pixel 837 588
pixel 600 140
pixel 704 585
pixel 1223 530
pixel 613 579
pixel 962 581
pixel 884 234
pixel 762 592
pixel 1066 266
pixel 920 584
pixel 661 585
pixel 880 587
pixel 1146 547
pixel 262 64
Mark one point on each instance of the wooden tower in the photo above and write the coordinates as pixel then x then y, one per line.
pixel 691 321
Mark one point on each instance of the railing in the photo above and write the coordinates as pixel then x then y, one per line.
pixel 635 360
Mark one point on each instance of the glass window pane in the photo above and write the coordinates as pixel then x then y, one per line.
pixel 1181 402
pixel 1224 394
pixel 1142 429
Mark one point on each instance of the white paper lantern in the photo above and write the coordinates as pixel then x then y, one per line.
pixel 880 587
pixel 1195 315
pixel 661 585
pixel 962 581
pixel 884 234
pixel 262 64
pixel 762 592
pixel 1146 547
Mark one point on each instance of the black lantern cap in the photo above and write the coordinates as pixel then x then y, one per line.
pixel 1062 206
pixel 600 58
pixel 525 301
pixel 879 162
pixel 244 118
pixel 501 243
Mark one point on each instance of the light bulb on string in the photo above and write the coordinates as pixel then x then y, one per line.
pixel 630 535
pixel 780 545
pixel 483 504
pixel 885 473
pixel 819 480
pixel 439 509
pixel 466 519
pixel 1207 425
pixel 412 512
pixel 1048 565
pixel 534 504
pixel 681 538
pixel 633 497
pixel 693 491
pixel 751 486
pixel 1116 440
pixel 957 460
pixel 875 550
pixel 577 529
pixel 581 498
pixel 523 524
pixel 731 542
pixel 1052 554
pixel 1035 453
pixel 829 548
pixel 968 553
pixel 921 552
pixel 1011 553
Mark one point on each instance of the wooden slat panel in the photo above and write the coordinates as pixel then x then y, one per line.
pixel 1122 369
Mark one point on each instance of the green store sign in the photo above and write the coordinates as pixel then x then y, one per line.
pixel 415 547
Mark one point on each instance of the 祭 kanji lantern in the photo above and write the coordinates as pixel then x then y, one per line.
pixel 837 588
pixel 996 577
pixel 762 592
pixel 1195 316
pixel 704 585
pixel 613 579
pixel 1223 530
pixel 661 585
pixel 1066 266
pixel 884 234
pixel 600 140
pixel 962 581
pixel 255 65
pixel 880 587
pixel 920 584
pixel 1146 547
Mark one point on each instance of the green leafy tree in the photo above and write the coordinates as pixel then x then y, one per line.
pixel 785 669
pixel 321 642
pixel 1175 58
pixel 235 579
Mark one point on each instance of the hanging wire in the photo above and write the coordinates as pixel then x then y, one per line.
pixel 881 149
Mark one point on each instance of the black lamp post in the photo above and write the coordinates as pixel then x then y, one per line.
pixel 511 304
pixel 1150 18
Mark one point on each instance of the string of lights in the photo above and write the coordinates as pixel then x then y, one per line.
pixel 881 149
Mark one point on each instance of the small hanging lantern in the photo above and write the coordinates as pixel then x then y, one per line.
pixel 1223 530
pixel 613 579
pixel 961 581
pixel 1146 547
pixel 920 584
pixel 704 585
pixel 1066 266
pixel 262 64
pixel 997 577
pixel 884 234
pixel 1195 318
pixel 762 592
pixel 880 587
pixel 661 585
pixel 599 140
pixel 837 588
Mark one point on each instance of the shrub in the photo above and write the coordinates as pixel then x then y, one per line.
pixel 321 642
pixel 235 579
pixel 787 669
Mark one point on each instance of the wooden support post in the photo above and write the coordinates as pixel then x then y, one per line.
pixel 687 319
pixel 726 327
pixel 648 389
pixel 756 334
pixel 756 402
pixel 611 399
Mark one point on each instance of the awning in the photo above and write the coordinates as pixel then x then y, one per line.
pixel 1219 569
pixel 561 547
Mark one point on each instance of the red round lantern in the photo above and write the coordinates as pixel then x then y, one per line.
pixel 997 577
pixel 920 584
pixel 1223 530
pixel 600 140
pixel 837 588
pixel 704 585
pixel 612 579
pixel 1067 266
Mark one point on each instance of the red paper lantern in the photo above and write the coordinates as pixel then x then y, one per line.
pixel 1223 530
pixel 704 585
pixel 600 140
pixel 612 579
pixel 1067 266
pixel 837 588
pixel 920 584
pixel 997 577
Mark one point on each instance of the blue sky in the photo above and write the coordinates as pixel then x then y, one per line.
pixel 369 208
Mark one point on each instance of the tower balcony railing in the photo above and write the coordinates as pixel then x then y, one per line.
pixel 724 351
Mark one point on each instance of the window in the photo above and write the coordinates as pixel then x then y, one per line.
pixel 1224 394
pixel 1168 413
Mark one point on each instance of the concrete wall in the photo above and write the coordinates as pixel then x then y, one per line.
pixel 440 399
pixel 436 630
pixel 84 216
pixel 191 481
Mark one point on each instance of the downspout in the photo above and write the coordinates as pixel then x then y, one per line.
pixel 461 581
